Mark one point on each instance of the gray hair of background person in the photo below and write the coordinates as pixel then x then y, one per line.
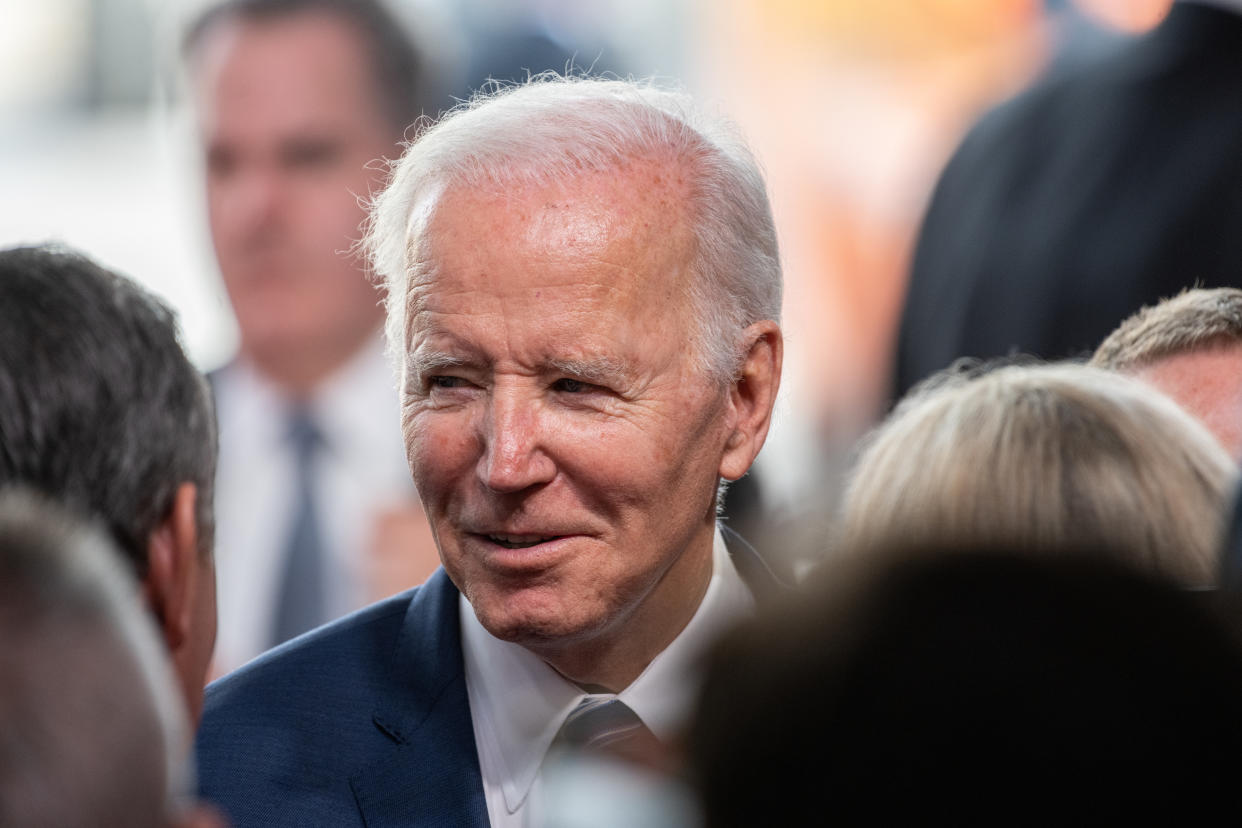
pixel 1194 320
pixel 1044 457
pixel 555 128
pixel 85 422
pixel 94 731
pixel 402 79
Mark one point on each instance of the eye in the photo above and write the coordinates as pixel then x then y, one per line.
pixel 442 381
pixel 570 386
pixel 221 162
pixel 311 154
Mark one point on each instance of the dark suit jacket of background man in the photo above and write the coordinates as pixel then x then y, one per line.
pixel 364 721
pixel 1093 193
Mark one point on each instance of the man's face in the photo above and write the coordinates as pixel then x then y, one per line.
pixel 1208 383
pixel 290 121
pixel 564 447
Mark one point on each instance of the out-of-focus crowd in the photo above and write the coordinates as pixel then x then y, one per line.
pixel 512 590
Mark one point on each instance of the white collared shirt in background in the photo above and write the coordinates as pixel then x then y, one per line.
pixel 518 703
pixel 361 471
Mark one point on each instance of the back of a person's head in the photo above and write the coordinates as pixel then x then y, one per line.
pixel 93 731
pixel 993 686
pixel 1044 457
pixel 1194 320
pixel 100 409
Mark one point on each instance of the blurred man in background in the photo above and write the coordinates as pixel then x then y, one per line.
pixel 1189 347
pixel 101 411
pixel 298 101
pixel 1101 189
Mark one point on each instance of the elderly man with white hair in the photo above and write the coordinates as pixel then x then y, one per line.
pixel 583 293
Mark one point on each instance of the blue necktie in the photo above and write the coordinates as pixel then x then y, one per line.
pixel 301 602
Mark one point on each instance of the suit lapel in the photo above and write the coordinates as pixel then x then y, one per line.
pixel 431 775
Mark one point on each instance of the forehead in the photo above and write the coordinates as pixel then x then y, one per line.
pixel 622 236
pixel 295 70
pixel 1207 380
pixel 1216 363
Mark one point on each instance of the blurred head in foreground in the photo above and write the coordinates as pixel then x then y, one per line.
pixel 101 411
pixel 1189 347
pixel 1047 457
pixel 973 688
pixel 94 730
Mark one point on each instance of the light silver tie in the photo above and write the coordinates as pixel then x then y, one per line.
pixel 301 603
pixel 606 725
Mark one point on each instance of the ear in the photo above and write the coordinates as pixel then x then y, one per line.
pixel 752 397
pixel 172 570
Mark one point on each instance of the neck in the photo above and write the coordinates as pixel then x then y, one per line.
pixel 298 372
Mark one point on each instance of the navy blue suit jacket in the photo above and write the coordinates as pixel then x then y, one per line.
pixel 364 721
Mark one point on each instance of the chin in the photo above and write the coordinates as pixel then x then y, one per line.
pixel 525 629
pixel 535 628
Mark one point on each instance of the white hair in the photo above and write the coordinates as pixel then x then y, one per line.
pixel 553 128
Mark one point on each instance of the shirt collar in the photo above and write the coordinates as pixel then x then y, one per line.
pixel 343 405
pixel 518 702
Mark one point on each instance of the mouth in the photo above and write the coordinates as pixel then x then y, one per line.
pixel 520 541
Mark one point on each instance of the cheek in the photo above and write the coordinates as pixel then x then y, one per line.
pixel 671 441
pixel 646 470
pixel 683 466
pixel 334 199
pixel 219 218
pixel 440 449
pixel 336 218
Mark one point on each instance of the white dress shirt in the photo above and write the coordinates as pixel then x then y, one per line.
pixel 361 470
pixel 518 703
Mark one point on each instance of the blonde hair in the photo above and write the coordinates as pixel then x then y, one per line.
pixel 1044 458
pixel 1193 320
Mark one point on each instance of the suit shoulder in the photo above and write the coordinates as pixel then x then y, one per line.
pixel 354 646
pixel 280 736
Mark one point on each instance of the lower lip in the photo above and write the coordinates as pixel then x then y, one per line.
pixel 528 558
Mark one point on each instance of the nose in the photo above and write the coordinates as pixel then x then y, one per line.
pixel 250 201
pixel 261 200
pixel 514 456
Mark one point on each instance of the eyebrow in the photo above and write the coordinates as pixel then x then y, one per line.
pixel 596 370
pixel 420 364
pixel 601 370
